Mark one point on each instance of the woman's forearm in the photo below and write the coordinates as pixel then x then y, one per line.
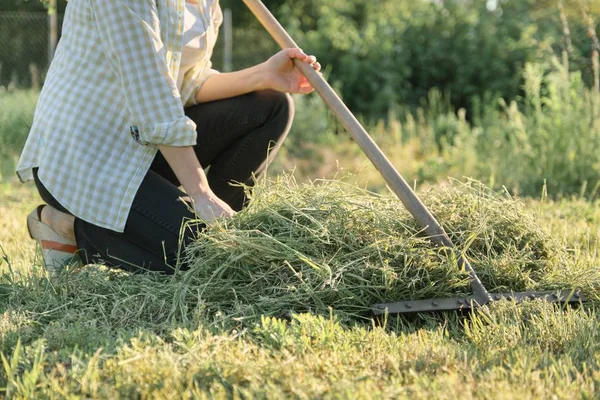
pixel 231 84
pixel 187 168
pixel 184 163
pixel 277 73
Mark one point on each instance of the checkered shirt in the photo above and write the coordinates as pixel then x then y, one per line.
pixel 110 97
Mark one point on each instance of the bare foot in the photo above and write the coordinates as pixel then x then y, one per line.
pixel 62 223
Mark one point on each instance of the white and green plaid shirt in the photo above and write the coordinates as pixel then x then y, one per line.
pixel 110 97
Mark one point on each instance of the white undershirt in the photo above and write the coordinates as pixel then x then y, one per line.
pixel 194 39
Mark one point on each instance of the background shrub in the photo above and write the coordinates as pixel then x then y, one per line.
pixel 388 52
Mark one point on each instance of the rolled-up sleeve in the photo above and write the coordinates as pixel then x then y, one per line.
pixel 193 81
pixel 132 42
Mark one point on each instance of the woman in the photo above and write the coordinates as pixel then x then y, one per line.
pixel 131 110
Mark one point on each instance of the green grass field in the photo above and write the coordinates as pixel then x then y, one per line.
pixel 99 333
pixel 96 333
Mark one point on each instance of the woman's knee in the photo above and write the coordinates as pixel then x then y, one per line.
pixel 280 106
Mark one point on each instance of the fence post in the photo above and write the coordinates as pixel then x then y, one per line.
pixel 228 40
pixel 52 29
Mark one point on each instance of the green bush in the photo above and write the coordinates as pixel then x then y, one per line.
pixel 386 52
pixel 551 138
pixel 554 138
pixel 389 52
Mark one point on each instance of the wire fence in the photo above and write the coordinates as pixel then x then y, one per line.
pixel 24 39
pixel 25 47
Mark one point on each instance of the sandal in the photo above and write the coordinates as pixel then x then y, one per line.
pixel 57 251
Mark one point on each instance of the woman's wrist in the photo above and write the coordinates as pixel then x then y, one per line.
pixel 260 76
pixel 194 183
pixel 202 190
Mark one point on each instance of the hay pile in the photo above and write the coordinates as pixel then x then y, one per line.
pixel 311 247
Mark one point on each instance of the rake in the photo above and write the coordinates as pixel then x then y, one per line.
pixel 434 231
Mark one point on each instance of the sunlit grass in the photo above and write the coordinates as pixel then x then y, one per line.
pixel 96 333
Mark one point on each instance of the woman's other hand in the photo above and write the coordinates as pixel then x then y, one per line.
pixel 209 207
pixel 282 75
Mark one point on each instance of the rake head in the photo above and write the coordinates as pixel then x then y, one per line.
pixel 469 303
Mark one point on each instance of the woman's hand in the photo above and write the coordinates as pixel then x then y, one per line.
pixel 282 75
pixel 184 162
pixel 209 207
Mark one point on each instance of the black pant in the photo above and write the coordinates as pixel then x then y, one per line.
pixel 234 137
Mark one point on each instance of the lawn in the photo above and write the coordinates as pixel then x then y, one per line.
pixel 100 333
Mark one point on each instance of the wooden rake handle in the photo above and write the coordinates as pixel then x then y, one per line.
pixel 394 180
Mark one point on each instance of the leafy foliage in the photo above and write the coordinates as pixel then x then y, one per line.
pixel 388 52
pixel 391 52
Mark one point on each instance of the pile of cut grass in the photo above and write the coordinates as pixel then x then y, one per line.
pixel 332 246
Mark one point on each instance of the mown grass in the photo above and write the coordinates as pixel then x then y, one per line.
pixel 106 334
pixel 306 248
